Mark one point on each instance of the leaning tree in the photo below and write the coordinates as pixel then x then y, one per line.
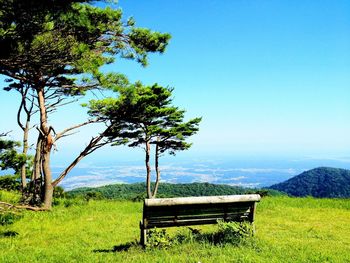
pixel 143 116
pixel 56 49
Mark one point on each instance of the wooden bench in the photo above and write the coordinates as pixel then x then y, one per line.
pixel 186 211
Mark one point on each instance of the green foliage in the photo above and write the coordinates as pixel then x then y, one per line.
pixel 136 191
pixel 8 233
pixel 12 197
pixel 232 232
pixel 54 50
pixel 92 195
pixel 142 43
pixel 144 114
pixel 69 202
pixel 9 217
pixel 58 192
pixel 66 38
pixel 9 182
pixel 226 233
pixel 158 238
pixel 7 144
pixel 139 197
pixel 319 182
pixel 9 157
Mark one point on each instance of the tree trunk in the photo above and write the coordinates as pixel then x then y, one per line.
pixel 36 174
pixel 25 128
pixel 148 169
pixel 156 165
pixel 46 147
pixel 42 169
pixel 33 193
pixel 25 151
pixel 48 187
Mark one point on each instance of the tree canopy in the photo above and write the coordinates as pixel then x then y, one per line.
pixel 52 50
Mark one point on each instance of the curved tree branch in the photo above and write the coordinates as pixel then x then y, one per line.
pixel 94 144
pixel 65 131
pixel 32 208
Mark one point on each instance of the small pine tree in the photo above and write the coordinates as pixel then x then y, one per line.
pixel 143 116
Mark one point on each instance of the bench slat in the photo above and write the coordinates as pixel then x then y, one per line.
pixel 151 212
pixel 195 221
pixel 189 215
pixel 202 200
pixel 184 217
pixel 173 220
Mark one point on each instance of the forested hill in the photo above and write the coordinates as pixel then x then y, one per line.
pixel 318 182
pixel 136 191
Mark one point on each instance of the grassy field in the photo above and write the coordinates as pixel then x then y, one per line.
pixel 288 230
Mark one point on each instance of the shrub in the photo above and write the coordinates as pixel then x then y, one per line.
pixel 158 238
pixel 232 232
pixel 10 183
pixel 94 195
pixel 139 197
pixel 9 217
pixel 58 192
pixel 188 236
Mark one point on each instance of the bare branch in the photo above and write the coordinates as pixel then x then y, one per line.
pixel 40 131
pixel 19 114
pixel 54 104
pixel 3 134
pixel 59 104
pixel 65 131
pixel 13 75
pixel 32 208
pixel 94 144
pixel 29 110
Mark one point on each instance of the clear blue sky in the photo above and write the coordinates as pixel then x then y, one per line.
pixel 268 77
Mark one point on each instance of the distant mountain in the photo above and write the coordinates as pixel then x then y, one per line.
pixel 318 182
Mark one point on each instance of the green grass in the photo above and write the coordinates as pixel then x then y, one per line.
pixel 287 230
pixel 9 197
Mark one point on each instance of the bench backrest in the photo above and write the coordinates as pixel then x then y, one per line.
pixel 167 212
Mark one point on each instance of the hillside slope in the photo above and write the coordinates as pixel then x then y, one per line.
pixel 288 230
pixel 137 190
pixel 318 182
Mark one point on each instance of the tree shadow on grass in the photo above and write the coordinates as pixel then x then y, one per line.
pixel 9 233
pixel 118 248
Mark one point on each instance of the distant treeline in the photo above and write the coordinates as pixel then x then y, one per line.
pixel 136 191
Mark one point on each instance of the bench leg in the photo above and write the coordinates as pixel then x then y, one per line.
pixel 252 216
pixel 143 235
